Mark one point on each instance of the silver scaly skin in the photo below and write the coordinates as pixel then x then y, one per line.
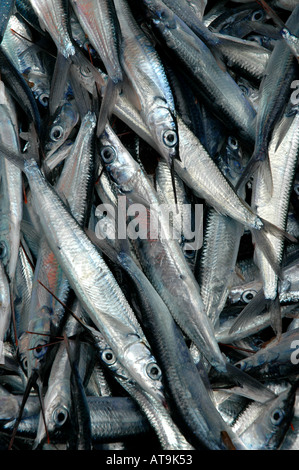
pixel 92 281
pixel 17 43
pixel 162 258
pixel 11 187
pixel 152 93
pixel 53 19
pixel 283 161
pixel 99 22
pixel 73 187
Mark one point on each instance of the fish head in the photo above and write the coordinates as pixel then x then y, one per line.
pixel 64 121
pixel 162 123
pixel 145 369
pixel 273 423
pixel 57 404
pixel 118 162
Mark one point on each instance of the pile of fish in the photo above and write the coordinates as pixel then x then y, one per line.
pixel 122 323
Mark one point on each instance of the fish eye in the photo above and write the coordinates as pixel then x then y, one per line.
pixel 257 15
pixel 108 154
pixel 153 371
pixel 296 189
pixel 233 143
pixel 85 71
pixel 60 416
pixel 108 357
pixel 255 38
pixel 189 254
pixel 248 295
pixel 56 133
pixel 3 249
pixel 170 138
pixel 244 89
pixel 40 349
pixel 44 99
pixel 277 416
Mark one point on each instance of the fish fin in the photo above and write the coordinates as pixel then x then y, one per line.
pixel 278 232
pixel 107 106
pixel 252 309
pixel 82 98
pixel 58 82
pixel 131 94
pixel 275 316
pixel 248 386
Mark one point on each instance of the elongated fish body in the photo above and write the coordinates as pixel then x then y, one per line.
pixel 74 187
pixel 160 254
pixel 99 21
pixel 106 306
pixel 217 259
pixel 218 192
pixel 111 418
pixel 22 299
pixel 52 17
pixel 17 45
pixel 11 187
pixel 146 75
pixel 283 163
pixel 216 87
pixel 275 91
pixel 183 219
pixel 57 400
